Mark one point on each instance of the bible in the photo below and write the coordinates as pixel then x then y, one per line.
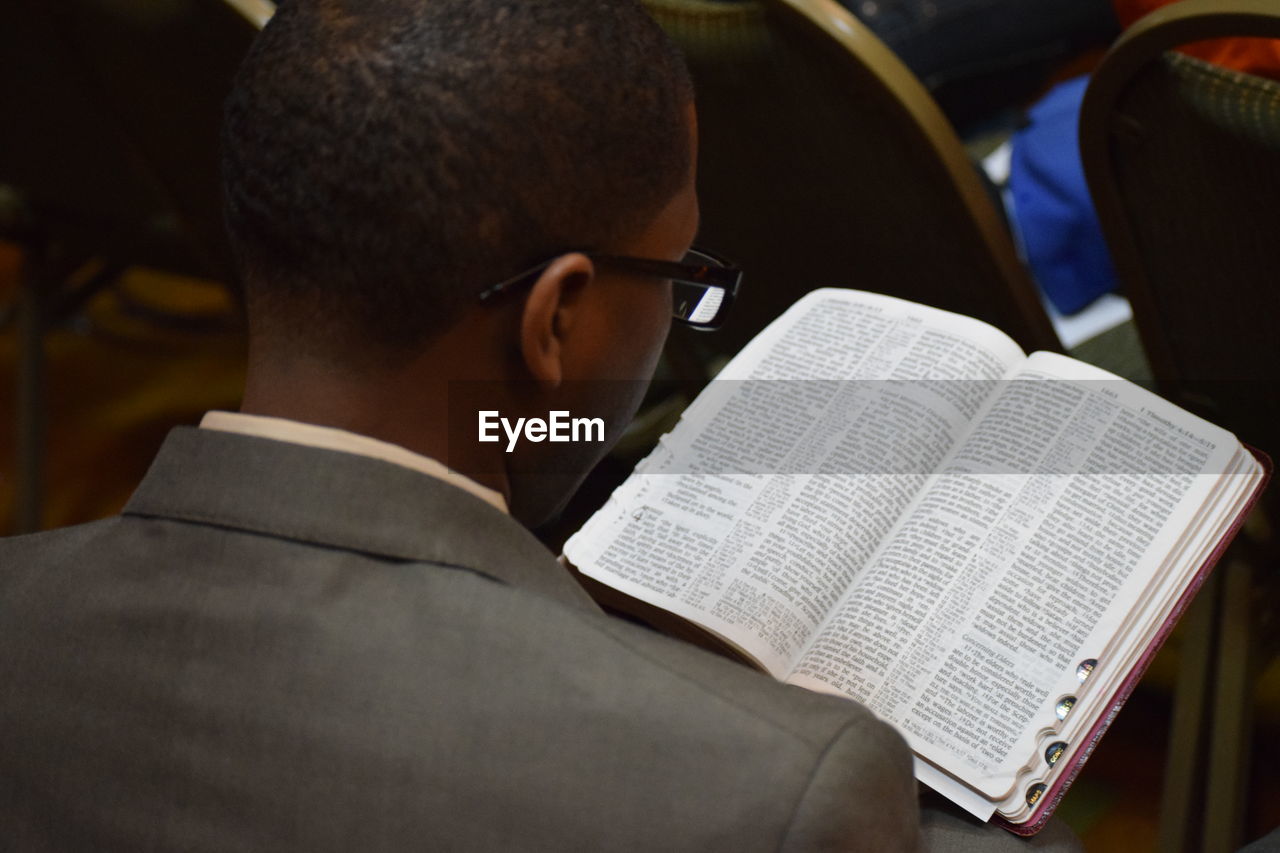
pixel 895 504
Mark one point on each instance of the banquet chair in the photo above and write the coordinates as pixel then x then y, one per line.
pixel 824 162
pixel 1183 162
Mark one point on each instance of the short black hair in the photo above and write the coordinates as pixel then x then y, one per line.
pixel 385 160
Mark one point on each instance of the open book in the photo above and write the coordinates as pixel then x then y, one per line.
pixel 895 504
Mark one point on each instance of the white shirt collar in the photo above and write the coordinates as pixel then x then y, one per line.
pixel 330 438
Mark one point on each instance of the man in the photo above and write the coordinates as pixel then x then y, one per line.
pixel 305 632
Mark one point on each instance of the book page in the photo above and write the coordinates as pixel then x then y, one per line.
pixel 754 515
pixel 1121 657
pixel 1020 560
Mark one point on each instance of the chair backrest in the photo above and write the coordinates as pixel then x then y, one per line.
pixel 824 162
pixel 163 69
pixel 1183 162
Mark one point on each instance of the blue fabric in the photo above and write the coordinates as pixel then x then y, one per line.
pixel 1051 205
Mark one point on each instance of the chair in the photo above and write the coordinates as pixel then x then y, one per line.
pixel 823 162
pixel 1183 162
pixel 110 158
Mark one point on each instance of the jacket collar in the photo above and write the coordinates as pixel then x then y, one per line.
pixel 342 500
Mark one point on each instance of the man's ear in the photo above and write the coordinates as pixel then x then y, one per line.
pixel 552 310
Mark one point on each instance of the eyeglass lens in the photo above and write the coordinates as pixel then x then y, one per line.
pixel 697 303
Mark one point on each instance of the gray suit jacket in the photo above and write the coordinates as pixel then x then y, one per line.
pixel 282 648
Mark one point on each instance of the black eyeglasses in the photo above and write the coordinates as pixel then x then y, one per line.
pixel 704 284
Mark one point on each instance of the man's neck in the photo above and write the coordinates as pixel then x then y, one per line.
pixel 407 408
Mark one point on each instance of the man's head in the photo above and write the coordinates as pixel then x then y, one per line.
pixel 385 160
pixel 388 160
